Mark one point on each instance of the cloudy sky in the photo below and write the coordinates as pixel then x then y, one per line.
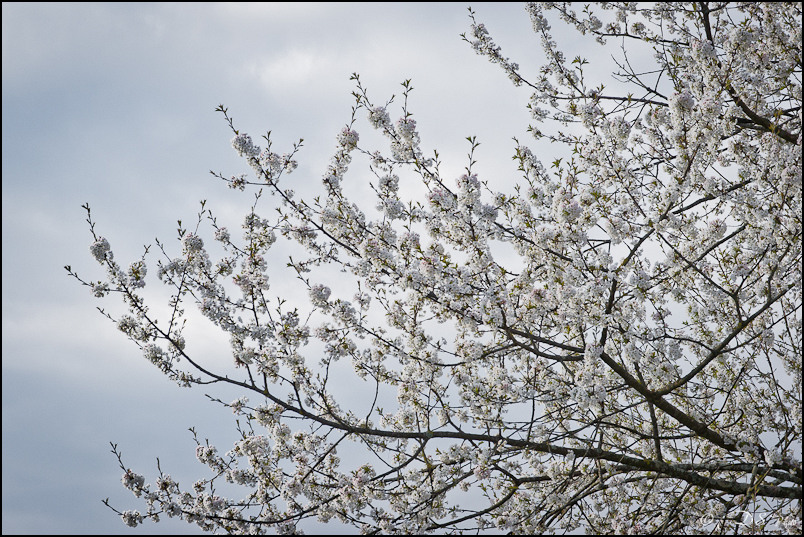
pixel 114 105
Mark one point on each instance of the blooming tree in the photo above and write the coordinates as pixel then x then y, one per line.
pixel 612 345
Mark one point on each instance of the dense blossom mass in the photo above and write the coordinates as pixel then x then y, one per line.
pixel 611 346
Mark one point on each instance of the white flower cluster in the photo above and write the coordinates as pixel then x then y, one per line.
pixel 319 294
pixel 131 518
pixel 238 404
pixel 101 250
pixel 133 482
pixel 681 104
pixel 136 274
pixel 244 146
pixel 100 289
pixel 348 138
pixel 378 118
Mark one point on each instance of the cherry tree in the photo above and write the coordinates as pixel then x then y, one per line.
pixel 611 345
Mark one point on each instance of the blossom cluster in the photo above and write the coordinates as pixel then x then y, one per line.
pixel 267 164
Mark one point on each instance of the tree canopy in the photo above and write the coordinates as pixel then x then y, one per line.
pixel 613 345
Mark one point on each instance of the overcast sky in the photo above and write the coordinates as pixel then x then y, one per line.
pixel 114 105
